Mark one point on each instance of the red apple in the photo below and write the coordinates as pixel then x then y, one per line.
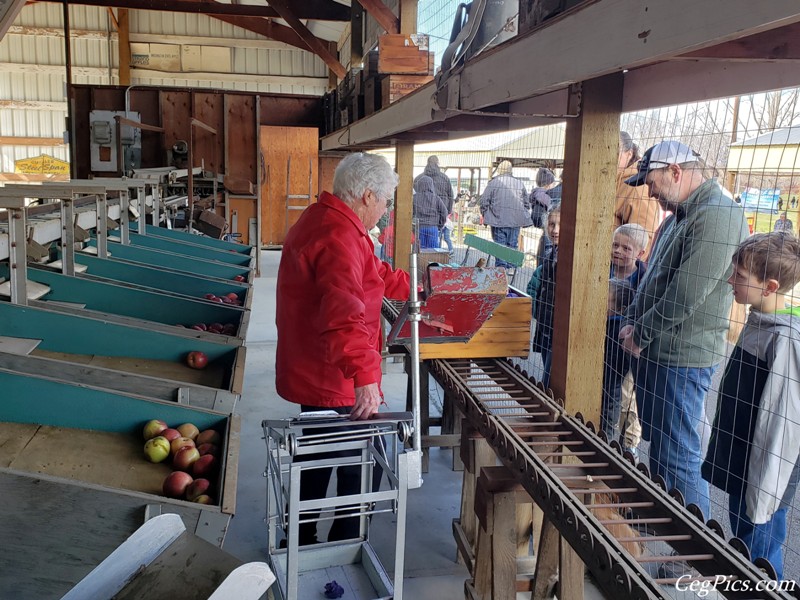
pixel 185 458
pixel 156 449
pixel 239 278
pixel 197 327
pixel 218 300
pixel 175 484
pixel 197 488
pixel 171 434
pixel 204 499
pixel 232 295
pixel 179 443
pixel 209 296
pixel 208 436
pixel 229 329
pixel 189 430
pixel 153 428
pixel 205 465
pixel 204 449
pixel 216 327
pixel 197 360
pixel 227 300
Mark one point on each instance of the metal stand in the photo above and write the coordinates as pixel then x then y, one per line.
pixel 294 446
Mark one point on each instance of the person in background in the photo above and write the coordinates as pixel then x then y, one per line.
pixel 442 186
pixel 619 393
pixel 430 212
pixel 447 229
pixel 505 208
pixel 678 320
pixel 328 314
pixel 546 293
pixel 755 439
pixel 633 203
pixel 783 224
pixel 540 201
pixel 617 362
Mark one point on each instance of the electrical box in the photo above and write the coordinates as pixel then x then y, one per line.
pixel 104 145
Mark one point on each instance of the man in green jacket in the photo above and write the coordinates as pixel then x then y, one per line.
pixel 679 317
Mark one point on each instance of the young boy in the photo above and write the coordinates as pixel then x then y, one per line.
pixel 755 439
pixel 619 412
pixel 617 362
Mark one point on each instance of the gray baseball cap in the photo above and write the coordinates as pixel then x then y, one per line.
pixel 662 155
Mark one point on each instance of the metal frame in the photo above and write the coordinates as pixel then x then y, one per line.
pixel 288 439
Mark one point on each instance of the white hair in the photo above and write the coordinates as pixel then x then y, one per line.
pixel 359 172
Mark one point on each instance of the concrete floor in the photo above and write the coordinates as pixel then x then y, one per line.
pixel 431 572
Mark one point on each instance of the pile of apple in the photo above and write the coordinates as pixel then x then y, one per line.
pixel 226 329
pixel 194 455
pixel 229 298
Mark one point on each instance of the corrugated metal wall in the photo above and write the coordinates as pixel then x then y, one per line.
pixel 32 75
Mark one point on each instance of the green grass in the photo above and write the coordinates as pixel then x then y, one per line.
pixel 765 222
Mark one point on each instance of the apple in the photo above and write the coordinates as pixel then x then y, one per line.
pixel 209 296
pixel 171 434
pixel 216 299
pixel 239 278
pixel 206 448
pixel 153 428
pixel 175 484
pixel 227 300
pixel 232 295
pixel 157 449
pixel 197 360
pixel 204 499
pixel 208 436
pixel 229 329
pixel 179 443
pixel 185 457
pixel 205 465
pixel 216 327
pixel 197 488
pixel 197 327
pixel 188 430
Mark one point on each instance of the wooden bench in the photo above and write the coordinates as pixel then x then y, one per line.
pixel 511 256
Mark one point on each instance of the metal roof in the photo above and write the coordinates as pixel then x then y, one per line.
pixel 788 136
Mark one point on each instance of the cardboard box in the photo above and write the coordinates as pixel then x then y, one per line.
pixel 211 224
pixel 394 87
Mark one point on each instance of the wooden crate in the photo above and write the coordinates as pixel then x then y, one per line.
pixel 372 95
pixel 398 54
pixel 394 87
pixel 76 481
pixel 506 333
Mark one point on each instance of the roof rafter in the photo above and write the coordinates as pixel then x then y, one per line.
pixel 318 10
pixel 313 43
pixel 382 14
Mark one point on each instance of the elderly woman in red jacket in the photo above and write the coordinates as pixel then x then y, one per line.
pixel 329 293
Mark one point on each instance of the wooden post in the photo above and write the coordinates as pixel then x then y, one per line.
pixel 403 205
pixel 408 16
pixel 590 166
pixel 356 34
pixel 124 47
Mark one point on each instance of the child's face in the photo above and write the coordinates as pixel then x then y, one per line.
pixel 747 289
pixel 624 252
pixel 553 226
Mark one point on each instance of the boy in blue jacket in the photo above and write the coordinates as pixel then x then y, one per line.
pixel 755 439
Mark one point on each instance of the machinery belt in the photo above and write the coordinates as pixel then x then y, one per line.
pixel 575 476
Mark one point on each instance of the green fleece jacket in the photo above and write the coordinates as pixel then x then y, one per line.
pixel 682 307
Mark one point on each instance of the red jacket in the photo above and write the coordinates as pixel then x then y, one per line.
pixel 330 288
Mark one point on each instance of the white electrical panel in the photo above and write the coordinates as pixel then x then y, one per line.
pixel 103 145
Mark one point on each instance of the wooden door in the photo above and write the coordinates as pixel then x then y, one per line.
pixel 289 178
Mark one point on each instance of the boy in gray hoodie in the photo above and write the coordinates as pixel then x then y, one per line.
pixel 755 439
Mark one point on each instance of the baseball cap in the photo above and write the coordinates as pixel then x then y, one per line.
pixel 662 155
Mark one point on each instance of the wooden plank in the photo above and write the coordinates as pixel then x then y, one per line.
pixel 176 115
pixel 591 147
pixel 404 157
pixel 13 140
pixel 237 377
pixel 209 147
pixel 244 209
pixel 241 161
pixel 230 470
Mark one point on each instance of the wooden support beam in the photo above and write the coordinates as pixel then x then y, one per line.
pixel 124 48
pixel 382 14
pixel 267 28
pixel 782 43
pixel 404 203
pixel 590 167
pixel 316 45
pixel 12 140
pixel 319 10
pixel 356 34
pixel 408 16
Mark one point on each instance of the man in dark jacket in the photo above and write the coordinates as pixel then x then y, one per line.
pixel 679 317
pixel 505 208
pixel 441 182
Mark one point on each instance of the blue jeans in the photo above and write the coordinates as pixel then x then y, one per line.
pixel 507 236
pixel 671 402
pixel 428 236
pixel 445 238
pixel 765 540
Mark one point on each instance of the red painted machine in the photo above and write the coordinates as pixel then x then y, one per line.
pixel 458 300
